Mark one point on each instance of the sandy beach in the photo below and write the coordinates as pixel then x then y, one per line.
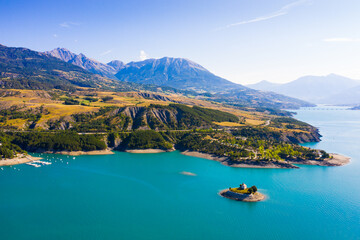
pixel 78 153
pixel 256 197
pixel 226 162
pixel 146 151
pixel 20 159
pixel 204 155
pixel 336 160
pixel 277 164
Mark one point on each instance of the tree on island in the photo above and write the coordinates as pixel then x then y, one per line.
pixel 252 190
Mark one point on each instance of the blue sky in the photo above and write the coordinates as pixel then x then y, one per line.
pixel 244 41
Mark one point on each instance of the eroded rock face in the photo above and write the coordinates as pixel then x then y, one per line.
pixel 312 135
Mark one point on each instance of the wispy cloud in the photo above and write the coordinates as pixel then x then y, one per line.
pixel 341 40
pixel 106 52
pixel 69 24
pixel 55 35
pixel 143 55
pixel 282 11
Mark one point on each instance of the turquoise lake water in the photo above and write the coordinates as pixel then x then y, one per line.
pixel 144 196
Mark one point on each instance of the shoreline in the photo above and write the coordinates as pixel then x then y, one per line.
pixel 204 155
pixel 20 159
pixel 337 160
pixel 256 197
pixel 150 150
pixel 79 153
pixel 225 161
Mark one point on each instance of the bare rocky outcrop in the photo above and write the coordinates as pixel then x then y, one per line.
pixel 312 135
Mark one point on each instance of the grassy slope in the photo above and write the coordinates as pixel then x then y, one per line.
pixel 37 98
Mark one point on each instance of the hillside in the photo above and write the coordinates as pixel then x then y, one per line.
pixel 106 70
pixel 330 89
pixel 86 120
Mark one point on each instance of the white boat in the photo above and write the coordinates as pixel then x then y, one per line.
pixel 42 162
pixel 33 164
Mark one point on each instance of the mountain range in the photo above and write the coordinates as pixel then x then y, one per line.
pixel 330 89
pixel 26 69
pixel 62 69
pixel 172 72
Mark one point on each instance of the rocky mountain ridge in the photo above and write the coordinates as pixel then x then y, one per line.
pixel 106 70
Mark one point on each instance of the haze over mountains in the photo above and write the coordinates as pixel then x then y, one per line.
pixel 330 89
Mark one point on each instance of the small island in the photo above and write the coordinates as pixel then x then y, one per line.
pixel 243 193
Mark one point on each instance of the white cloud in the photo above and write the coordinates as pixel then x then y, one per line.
pixel 106 52
pixel 282 11
pixel 55 35
pixel 143 56
pixel 68 24
pixel 341 40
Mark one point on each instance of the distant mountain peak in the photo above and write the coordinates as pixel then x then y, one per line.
pixel 179 73
pixel 116 64
pixel 265 81
pixel 328 89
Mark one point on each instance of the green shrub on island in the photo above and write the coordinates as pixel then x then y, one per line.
pixel 252 190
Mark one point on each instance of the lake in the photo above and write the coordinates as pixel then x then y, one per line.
pixel 144 196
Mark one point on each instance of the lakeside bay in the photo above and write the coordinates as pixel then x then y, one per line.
pixel 144 196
